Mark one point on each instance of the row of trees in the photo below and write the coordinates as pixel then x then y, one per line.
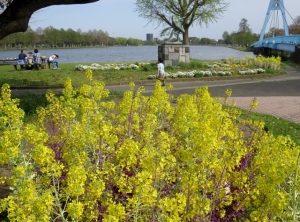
pixel 52 37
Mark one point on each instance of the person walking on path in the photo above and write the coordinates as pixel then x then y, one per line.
pixel 161 71
pixel 53 59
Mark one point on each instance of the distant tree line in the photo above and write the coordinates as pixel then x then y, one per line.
pixel 245 37
pixel 52 37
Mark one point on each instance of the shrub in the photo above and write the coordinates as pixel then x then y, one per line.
pixel 147 67
pixel 29 103
pixel 88 159
pixel 198 74
pixel 193 64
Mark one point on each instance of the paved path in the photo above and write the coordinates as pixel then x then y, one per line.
pixel 278 96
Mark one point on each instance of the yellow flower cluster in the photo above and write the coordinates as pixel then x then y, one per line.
pixel 260 61
pixel 143 159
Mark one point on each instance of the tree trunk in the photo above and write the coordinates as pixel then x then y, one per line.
pixel 16 16
pixel 185 36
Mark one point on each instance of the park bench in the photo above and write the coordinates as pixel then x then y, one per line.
pixel 8 61
pixel 26 66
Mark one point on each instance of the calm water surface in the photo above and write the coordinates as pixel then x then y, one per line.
pixel 127 54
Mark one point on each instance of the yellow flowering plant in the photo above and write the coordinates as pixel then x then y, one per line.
pixel 143 159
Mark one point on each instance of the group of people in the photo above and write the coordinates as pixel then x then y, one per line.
pixel 35 59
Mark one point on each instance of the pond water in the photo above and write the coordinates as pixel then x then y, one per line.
pixel 127 54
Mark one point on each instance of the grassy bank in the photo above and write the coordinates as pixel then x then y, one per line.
pixel 277 126
pixel 50 77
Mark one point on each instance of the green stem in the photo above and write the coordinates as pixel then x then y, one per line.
pixel 61 211
pixel 294 205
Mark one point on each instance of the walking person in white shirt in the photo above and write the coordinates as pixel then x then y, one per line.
pixel 161 71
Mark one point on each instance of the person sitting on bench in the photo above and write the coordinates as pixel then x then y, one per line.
pixel 29 60
pixel 52 59
pixel 21 59
pixel 37 60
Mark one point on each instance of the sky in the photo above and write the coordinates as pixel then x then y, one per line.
pixel 119 19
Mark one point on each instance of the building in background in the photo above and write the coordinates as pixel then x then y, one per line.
pixel 149 37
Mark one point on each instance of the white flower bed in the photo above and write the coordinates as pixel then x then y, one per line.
pixel 212 72
pixel 205 73
pixel 251 71
pixel 217 69
pixel 221 73
pixel 96 66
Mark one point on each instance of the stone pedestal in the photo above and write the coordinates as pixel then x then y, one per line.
pixel 173 54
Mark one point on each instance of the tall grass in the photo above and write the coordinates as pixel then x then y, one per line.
pixel 193 64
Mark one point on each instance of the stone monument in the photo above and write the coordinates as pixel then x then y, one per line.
pixel 172 53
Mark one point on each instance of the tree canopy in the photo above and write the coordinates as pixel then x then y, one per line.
pixel 15 14
pixel 244 26
pixel 191 12
pixel 244 36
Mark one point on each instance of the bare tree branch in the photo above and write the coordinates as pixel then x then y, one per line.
pixel 189 11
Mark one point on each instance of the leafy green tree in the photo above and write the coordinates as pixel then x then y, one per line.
pixel 225 37
pixel 190 12
pixel 232 38
pixel 194 40
pixel 39 31
pixel 121 41
pixel 220 41
pixel 206 41
pixel 87 39
pixel 50 39
pixel 71 37
pixel 15 14
pixel 135 42
pixel 151 42
pixel 244 26
pixel 244 36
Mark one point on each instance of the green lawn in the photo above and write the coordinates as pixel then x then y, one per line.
pixel 277 126
pixel 50 77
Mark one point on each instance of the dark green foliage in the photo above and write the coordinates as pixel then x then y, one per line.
pixel 113 94
pixel 197 74
pixel 147 67
pixel 193 64
pixel 170 68
pixel 271 71
pixel 30 102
